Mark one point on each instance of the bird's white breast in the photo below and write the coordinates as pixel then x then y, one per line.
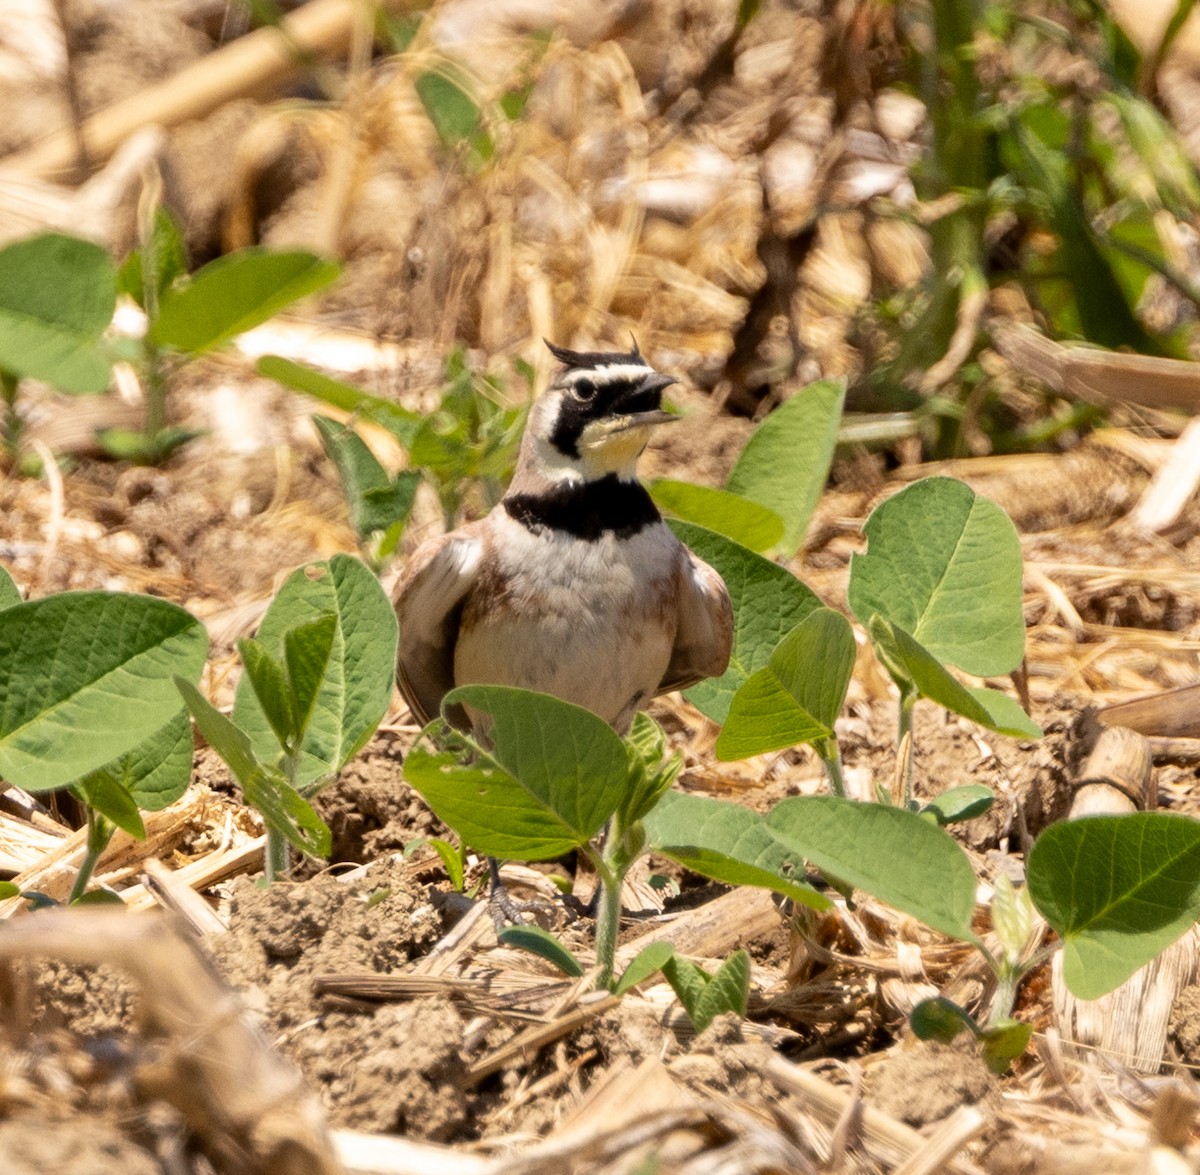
pixel 591 622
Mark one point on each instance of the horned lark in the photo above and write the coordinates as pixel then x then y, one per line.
pixel 572 585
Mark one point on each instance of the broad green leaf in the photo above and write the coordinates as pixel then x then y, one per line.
pixel 268 679
pixel 1118 890
pixel 451 857
pixel 374 500
pixel 105 794
pixel 265 788
pixel 910 664
pixel 786 461
pixel 567 758
pixel 768 601
pixel 401 422
pixel 233 294
pixel 57 295
pixel 889 852
pixel 10 594
pixel 539 942
pixel 798 695
pixel 85 678
pixel 645 963
pixel 151 776
pixel 9 890
pixel 727 842
pixel 944 565
pixel 306 652
pixel 941 1019
pixel 960 803
pixel 749 523
pixel 1003 1043
pixel 357 685
pixel 488 809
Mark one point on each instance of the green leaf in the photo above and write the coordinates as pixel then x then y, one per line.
pixel 57 295
pixel 704 997
pixel 1012 918
pixel 1003 1043
pixel 738 518
pixel 768 601
pixel 567 758
pixel 268 679
pixel 940 1019
pixel 451 856
pixel 956 804
pixel 651 772
pixel 233 294
pixel 98 897
pixel 9 890
pixel 357 686
pixel 729 843
pixel 104 794
pixel 167 260
pixel 645 963
pixel 399 421
pixel 85 678
pixel 889 852
pixel 151 776
pixel 798 695
pixel 944 564
pixel 10 594
pixel 374 500
pixel 785 463
pixel 454 114
pixel 126 444
pixel 306 652
pixel 1118 890
pixel 539 942
pixel 283 809
pixel 913 666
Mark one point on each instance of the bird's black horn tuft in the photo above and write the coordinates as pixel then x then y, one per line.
pixel 593 359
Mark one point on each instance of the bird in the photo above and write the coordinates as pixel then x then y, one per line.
pixel 573 585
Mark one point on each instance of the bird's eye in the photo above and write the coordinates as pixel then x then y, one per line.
pixel 584 390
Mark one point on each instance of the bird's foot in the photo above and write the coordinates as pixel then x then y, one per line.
pixel 507 911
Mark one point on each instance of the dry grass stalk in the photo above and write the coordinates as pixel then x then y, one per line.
pixel 252 65
pixel 249 1109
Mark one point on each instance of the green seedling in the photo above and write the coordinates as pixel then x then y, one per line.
pixel 771 493
pixel 316 683
pixel 379 504
pixel 553 776
pixel 84 678
pixel 465 450
pixel 57 295
pixel 191 314
pixel 940 584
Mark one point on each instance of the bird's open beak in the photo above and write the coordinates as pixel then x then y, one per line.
pixel 645 402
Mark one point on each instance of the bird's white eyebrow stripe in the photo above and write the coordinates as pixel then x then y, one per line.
pixel 608 374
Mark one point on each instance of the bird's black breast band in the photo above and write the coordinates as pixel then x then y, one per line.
pixel 586 510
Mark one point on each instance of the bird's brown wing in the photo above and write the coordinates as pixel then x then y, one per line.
pixel 704 638
pixel 429 599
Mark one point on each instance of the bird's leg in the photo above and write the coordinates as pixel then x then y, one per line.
pixel 506 911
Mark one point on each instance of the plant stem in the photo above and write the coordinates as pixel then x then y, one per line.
pixel 275 861
pixel 156 397
pixel 608 923
pixel 831 756
pixel 905 743
pixel 10 427
pixel 99 833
